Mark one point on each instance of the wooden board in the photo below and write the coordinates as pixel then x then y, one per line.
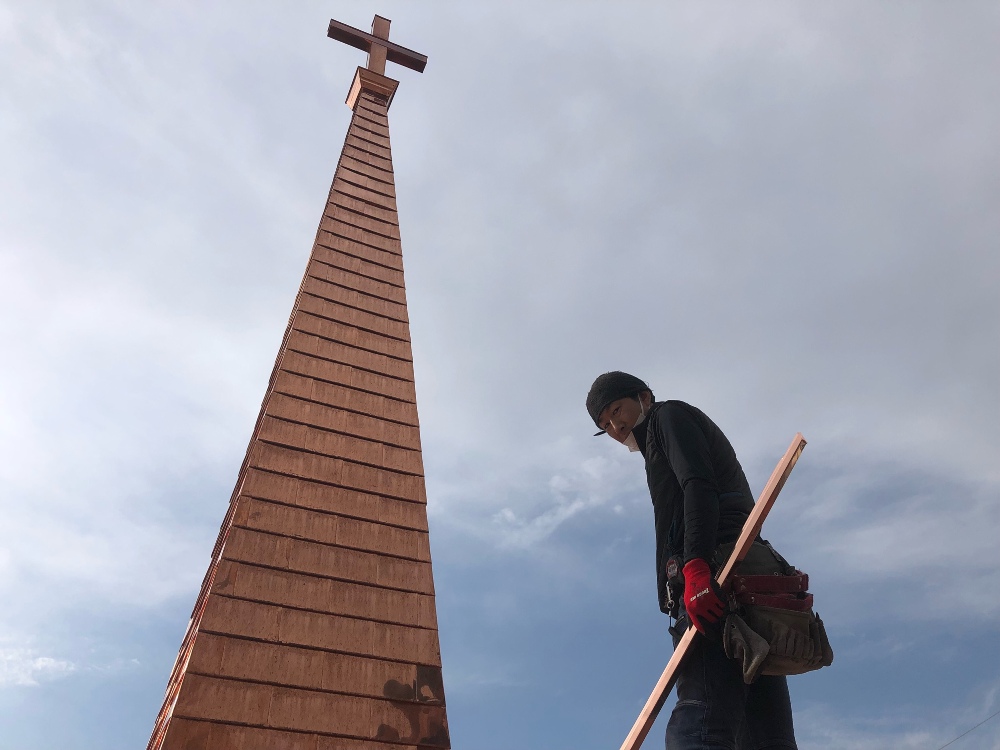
pixel 751 528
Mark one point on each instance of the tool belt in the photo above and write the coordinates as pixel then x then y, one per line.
pixel 771 627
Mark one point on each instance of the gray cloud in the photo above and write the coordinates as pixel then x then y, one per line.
pixel 783 214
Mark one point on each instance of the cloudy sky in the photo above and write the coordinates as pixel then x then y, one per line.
pixel 784 213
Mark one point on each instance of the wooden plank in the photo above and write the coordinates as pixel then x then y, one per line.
pixel 324 498
pixel 190 734
pixel 296 627
pixel 364 120
pixel 361 221
pixel 364 124
pixel 290 666
pixel 358 338
pixel 750 530
pixel 357 234
pixel 370 210
pixel 337 445
pixel 355 139
pixel 351 187
pixel 299 591
pixel 262 707
pixel 373 255
pixel 361 284
pixel 346 355
pixel 319 285
pixel 337 472
pixel 373 108
pixel 350 315
pixel 328 528
pixel 324 560
pixel 756 520
pixel 351 262
pixel 347 422
pixel 362 167
pixel 310 366
pixel 332 394
pixel 372 160
pixel 360 131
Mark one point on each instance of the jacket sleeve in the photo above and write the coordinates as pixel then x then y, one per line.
pixel 689 454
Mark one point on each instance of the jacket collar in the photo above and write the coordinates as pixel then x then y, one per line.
pixel 641 431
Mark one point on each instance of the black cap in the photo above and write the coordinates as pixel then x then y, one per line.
pixel 610 387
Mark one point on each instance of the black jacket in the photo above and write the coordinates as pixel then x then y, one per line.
pixel 700 494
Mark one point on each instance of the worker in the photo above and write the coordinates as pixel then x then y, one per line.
pixel 701 499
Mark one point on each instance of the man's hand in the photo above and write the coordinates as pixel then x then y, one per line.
pixel 703 599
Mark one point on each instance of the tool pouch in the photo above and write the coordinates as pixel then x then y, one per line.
pixel 771 628
pixel 675 585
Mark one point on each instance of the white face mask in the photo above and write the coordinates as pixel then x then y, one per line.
pixel 630 442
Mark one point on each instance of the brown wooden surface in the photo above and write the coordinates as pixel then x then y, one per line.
pixel 751 528
pixel 316 626
pixel 365 41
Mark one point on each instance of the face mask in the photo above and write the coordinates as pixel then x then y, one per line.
pixel 630 442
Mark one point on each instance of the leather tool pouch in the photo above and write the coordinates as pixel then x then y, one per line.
pixel 772 628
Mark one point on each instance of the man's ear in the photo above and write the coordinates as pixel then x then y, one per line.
pixel 646 398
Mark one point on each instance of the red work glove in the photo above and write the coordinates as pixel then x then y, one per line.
pixel 703 599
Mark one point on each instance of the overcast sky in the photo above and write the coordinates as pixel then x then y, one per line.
pixel 783 213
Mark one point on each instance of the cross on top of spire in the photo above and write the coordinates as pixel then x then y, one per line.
pixel 377 45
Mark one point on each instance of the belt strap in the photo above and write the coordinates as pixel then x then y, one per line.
pixel 779 601
pixel 776 584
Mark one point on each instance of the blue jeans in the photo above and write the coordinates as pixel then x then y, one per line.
pixel 716 710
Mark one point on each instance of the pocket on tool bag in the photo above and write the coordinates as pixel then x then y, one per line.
pixel 774 601
pixel 761 559
pixel 797 640
pixel 819 636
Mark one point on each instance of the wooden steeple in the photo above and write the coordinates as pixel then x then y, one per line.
pixel 315 627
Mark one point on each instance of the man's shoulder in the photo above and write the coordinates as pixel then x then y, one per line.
pixel 676 418
pixel 673 409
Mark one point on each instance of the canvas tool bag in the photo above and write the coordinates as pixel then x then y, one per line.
pixel 771 627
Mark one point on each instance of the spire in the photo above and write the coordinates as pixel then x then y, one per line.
pixel 315 627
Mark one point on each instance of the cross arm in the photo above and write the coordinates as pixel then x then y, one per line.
pixel 364 41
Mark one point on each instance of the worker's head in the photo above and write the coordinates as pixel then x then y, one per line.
pixel 617 402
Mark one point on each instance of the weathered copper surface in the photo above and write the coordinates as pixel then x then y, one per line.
pixel 315 628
